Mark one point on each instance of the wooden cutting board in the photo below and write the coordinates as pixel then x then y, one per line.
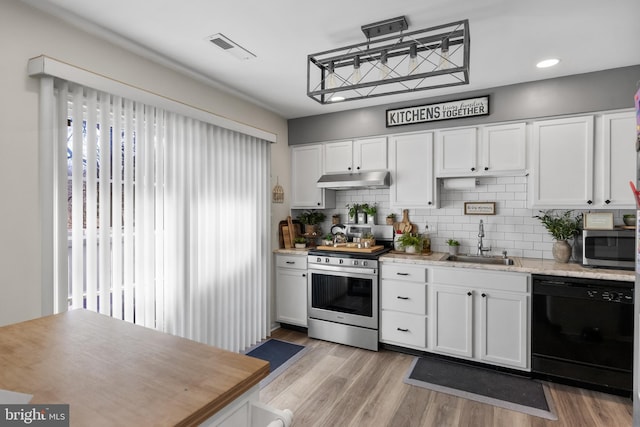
pixel 297 227
pixel 370 250
pixel 405 225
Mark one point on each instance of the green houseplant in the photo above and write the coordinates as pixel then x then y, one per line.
pixel 391 218
pixel 353 211
pixel 311 219
pixel 411 243
pixel 371 211
pixel 300 242
pixel 562 226
pixel 453 246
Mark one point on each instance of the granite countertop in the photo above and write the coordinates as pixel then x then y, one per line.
pixel 521 265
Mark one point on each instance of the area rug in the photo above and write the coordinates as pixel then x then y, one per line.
pixel 279 354
pixel 482 385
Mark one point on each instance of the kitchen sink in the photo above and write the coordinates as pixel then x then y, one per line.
pixel 492 260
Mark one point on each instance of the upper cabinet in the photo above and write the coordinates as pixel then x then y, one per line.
pixel 307 165
pixel 584 162
pixel 356 156
pixel 487 150
pixel 411 166
pixel 617 161
pixel 563 162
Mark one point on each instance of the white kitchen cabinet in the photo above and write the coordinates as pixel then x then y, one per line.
pixel 356 156
pixel 483 151
pixel 307 166
pixel 291 289
pixel 411 167
pixel 403 305
pixel 563 168
pixel 452 320
pixel 456 152
pixel 480 315
pixel 617 161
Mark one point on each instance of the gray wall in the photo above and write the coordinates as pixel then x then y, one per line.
pixel 598 91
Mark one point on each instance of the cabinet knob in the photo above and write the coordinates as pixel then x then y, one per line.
pixel 473 169
pixel 318 203
pixel 589 202
pixel 469 293
pixel 304 275
pixel 429 203
pixel 484 295
pixel 607 201
pixel 349 168
pixel 358 168
pixel 486 168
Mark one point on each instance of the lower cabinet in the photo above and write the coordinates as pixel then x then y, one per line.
pixel 291 289
pixel 403 305
pixel 481 315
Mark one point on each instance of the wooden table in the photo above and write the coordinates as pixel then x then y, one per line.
pixel 112 372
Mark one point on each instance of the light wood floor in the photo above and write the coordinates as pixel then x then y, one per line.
pixel 335 385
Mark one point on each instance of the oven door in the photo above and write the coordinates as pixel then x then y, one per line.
pixel 343 295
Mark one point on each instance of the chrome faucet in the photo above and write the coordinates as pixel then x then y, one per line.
pixel 481 248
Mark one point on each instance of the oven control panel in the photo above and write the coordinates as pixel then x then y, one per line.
pixel 342 262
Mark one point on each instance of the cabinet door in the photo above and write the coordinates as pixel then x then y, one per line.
pixel 451 320
pixel 563 163
pixel 338 157
pixel 411 166
pixel 504 148
pixel 306 167
pixel 618 160
pixel 456 152
pixel 503 328
pixel 291 296
pixel 370 154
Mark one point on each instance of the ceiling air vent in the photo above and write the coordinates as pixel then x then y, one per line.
pixel 230 46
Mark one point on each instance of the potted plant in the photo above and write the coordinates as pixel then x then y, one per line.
pixel 300 242
pixel 412 244
pixel 368 240
pixel 353 212
pixel 371 211
pixel 454 245
pixel 311 219
pixel 327 240
pixel 561 226
pixel 391 218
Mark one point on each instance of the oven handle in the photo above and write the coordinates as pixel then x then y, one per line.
pixel 348 270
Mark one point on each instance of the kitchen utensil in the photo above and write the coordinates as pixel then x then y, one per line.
pixel 286 236
pixel 292 230
pixel 405 225
pixel 281 232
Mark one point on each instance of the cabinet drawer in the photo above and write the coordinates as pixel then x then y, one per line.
pixel 402 328
pixel 412 273
pixel 404 296
pixel 475 278
pixel 291 261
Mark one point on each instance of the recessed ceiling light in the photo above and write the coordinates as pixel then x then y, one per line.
pixel 547 63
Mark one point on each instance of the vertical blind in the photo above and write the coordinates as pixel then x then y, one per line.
pixel 168 218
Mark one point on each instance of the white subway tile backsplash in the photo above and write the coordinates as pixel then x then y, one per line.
pixel 513 228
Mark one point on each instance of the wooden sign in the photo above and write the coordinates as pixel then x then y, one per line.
pixel 441 111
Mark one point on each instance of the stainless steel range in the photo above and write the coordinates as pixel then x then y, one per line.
pixel 343 292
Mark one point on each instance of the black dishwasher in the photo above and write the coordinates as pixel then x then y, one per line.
pixel 582 332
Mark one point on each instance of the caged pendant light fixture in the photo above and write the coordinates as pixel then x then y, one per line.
pixel 430 58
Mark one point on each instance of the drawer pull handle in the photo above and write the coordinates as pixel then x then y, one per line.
pixel 402 330
pixel 291 262
pixel 402 274
pixel 399 297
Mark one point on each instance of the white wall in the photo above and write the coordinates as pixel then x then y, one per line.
pixel 25 33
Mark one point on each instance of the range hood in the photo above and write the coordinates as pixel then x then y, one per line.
pixel 342 181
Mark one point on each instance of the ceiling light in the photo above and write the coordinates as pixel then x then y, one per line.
pixel 547 63
pixel 386 64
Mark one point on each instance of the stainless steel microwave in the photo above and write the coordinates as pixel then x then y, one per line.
pixel 609 248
